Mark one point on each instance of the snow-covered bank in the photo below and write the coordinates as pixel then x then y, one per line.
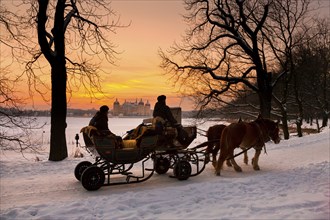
pixel 293 184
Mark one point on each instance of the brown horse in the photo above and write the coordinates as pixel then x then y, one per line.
pixel 213 135
pixel 242 134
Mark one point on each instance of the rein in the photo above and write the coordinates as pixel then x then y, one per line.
pixel 202 131
pixel 243 151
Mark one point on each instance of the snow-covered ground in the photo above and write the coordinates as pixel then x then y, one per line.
pixel 293 183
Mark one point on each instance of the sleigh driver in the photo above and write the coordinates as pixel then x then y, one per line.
pixel 163 117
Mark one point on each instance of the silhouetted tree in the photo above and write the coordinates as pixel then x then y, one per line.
pixel 312 63
pixel 15 129
pixel 286 30
pixel 225 45
pixel 72 36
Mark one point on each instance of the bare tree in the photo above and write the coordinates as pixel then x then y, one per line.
pixel 73 38
pixel 225 44
pixel 323 50
pixel 286 30
pixel 312 63
pixel 15 129
pixel 79 18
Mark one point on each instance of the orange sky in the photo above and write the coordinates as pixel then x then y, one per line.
pixel 154 24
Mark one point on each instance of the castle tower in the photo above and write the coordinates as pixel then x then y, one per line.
pixel 147 109
pixel 140 108
pixel 116 108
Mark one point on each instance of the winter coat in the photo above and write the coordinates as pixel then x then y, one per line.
pixel 162 110
pixel 100 121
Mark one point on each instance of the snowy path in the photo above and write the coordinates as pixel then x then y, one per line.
pixel 293 184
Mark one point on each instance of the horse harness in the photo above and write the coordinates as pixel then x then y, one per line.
pixel 260 143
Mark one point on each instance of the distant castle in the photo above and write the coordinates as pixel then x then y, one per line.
pixel 131 108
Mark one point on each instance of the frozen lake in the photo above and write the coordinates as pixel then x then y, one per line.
pixel 119 126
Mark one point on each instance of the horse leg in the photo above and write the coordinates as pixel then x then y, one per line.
pixel 246 159
pixel 233 162
pixel 214 154
pixel 228 163
pixel 222 157
pixel 255 160
pixel 219 164
pixel 209 149
pixel 207 157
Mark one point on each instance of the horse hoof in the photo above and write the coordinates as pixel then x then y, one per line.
pixel 256 168
pixel 207 159
pixel 218 174
pixel 238 169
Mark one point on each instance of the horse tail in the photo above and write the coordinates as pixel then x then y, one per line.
pixel 214 133
pixel 209 138
pixel 224 143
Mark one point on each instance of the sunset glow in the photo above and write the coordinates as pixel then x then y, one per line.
pixel 136 74
pixel 151 25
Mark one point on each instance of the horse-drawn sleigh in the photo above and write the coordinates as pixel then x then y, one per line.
pixel 145 148
pixel 151 150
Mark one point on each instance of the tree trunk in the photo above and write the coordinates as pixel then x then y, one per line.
pixel 325 111
pixel 265 104
pixel 317 125
pixel 265 93
pixel 299 123
pixel 324 119
pixel 58 147
pixel 299 120
pixel 325 107
pixel 285 127
pixel 284 118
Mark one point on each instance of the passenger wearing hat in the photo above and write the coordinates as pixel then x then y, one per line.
pixel 100 120
pixel 163 111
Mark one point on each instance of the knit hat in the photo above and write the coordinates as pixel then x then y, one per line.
pixel 104 108
pixel 161 98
